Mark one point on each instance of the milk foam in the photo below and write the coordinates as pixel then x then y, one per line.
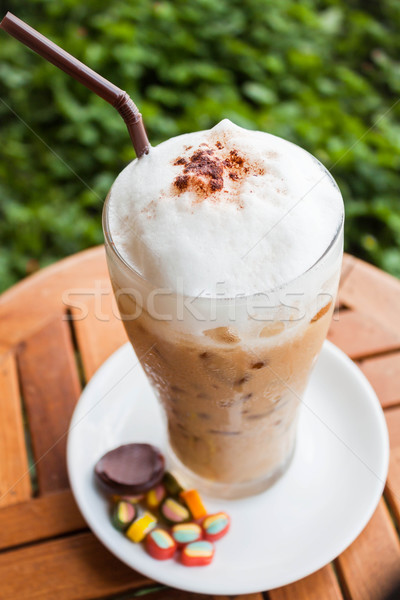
pixel 225 211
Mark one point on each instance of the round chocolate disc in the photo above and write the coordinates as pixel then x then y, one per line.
pixel 130 469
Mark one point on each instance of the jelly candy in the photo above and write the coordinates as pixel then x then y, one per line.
pixel 194 503
pixel 185 533
pixel 197 554
pixel 174 512
pixel 141 527
pixel 160 544
pixel 216 526
pixel 123 514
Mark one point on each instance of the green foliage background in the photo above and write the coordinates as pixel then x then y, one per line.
pixel 324 74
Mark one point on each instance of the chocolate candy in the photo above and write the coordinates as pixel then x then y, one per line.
pixel 172 485
pixel 141 527
pixel 185 533
pixel 197 554
pixel 173 511
pixel 194 503
pixel 160 545
pixel 123 514
pixel 216 526
pixel 130 469
pixel 155 496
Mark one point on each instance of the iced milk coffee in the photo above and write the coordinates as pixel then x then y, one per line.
pixel 224 249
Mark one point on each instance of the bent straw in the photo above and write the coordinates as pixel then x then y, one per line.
pixel 92 80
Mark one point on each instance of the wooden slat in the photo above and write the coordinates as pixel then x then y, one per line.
pixel 4 349
pixel 370 567
pixel 29 304
pixel 383 373
pixel 172 594
pixel 257 596
pixel 15 484
pixel 38 519
pixel 393 423
pixel 347 265
pixel 373 293
pixel 392 491
pixel 360 336
pixel 51 388
pixel 322 584
pixel 98 328
pixel 71 568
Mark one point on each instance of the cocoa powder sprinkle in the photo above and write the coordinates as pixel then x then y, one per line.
pixel 182 182
pixel 235 158
pixel 180 161
pixel 203 172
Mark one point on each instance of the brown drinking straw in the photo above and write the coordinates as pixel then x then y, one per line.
pixel 92 80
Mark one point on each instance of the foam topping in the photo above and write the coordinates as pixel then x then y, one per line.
pixel 224 211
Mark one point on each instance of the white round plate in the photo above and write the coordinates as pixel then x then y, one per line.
pixel 304 521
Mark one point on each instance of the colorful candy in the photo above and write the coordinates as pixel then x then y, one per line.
pixel 174 512
pixel 123 514
pixel 171 484
pixel 216 526
pixel 194 503
pixel 155 496
pixel 185 533
pixel 197 554
pixel 133 477
pixel 131 499
pixel 141 527
pixel 160 545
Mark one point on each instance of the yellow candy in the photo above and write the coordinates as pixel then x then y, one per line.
pixel 141 527
pixel 155 496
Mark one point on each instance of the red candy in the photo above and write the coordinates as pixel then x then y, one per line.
pixel 216 526
pixel 160 545
pixel 197 554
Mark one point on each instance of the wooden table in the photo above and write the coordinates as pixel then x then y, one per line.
pixel 47 552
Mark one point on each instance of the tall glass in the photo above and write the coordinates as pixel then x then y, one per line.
pixel 230 373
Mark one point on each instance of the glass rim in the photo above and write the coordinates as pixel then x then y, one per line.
pixel 111 244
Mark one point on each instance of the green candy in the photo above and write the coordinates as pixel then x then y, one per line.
pixel 123 514
pixel 171 484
